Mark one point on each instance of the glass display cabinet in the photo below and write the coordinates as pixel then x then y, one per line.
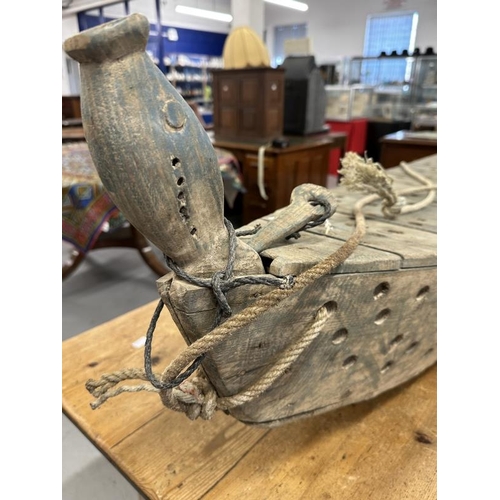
pixel 402 87
pixel 348 102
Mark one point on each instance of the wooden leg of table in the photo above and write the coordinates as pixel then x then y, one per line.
pixel 146 251
pixel 75 259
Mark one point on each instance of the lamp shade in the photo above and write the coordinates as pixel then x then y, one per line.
pixel 244 48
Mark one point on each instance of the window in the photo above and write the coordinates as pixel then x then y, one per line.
pixel 388 33
pixel 282 33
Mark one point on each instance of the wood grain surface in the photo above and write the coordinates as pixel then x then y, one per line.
pixel 384 448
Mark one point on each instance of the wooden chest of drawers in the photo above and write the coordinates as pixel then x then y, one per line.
pixel 248 103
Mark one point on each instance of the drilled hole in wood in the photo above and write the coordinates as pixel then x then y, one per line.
pixel 382 316
pixel 411 347
pixel 386 366
pixel 381 290
pixel 395 341
pixel 350 361
pixel 331 306
pixel 184 212
pixel 339 336
pixel 181 196
pixel 175 162
pixel 422 292
pixel 180 181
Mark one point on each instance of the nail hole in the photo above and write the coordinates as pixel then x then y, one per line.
pixel 411 347
pixel 381 290
pixel 422 292
pixel 175 162
pixel 339 336
pixel 395 341
pixel 382 316
pixel 386 366
pixel 193 231
pixel 180 180
pixel 181 196
pixel 350 361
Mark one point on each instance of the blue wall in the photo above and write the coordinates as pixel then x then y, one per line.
pixel 189 42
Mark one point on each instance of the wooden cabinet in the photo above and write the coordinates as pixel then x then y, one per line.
pixel 71 107
pixel 306 160
pixel 407 145
pixel 248 103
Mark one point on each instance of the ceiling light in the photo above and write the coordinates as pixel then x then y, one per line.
pixel 291 4
pixel 207 14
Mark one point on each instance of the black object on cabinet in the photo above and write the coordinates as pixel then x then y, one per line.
pixel 305 96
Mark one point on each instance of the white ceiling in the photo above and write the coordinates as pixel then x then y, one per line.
pixel 70 7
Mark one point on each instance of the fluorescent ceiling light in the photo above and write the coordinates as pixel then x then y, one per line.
pixel 207 14
pixel 291 4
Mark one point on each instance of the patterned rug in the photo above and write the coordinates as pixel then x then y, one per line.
pixel 87 209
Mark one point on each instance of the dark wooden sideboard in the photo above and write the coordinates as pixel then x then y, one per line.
pixel 305 160
pixel 406 145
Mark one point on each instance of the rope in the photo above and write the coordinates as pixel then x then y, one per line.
pixel 223 281
pixel 197 397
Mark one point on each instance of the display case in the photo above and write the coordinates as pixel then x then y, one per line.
pixel 348 102
pixel 402 86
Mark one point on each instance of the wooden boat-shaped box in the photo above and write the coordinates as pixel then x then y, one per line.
pixel 160 169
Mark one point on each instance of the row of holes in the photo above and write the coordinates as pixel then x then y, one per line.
pixel 181 197
pixel 380 291
pixel 352 360
pixel 383 289
pixel 341 335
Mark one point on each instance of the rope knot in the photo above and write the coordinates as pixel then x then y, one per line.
pixel 390 209
pixel 288 282
pixel 218 280
pixel 196 398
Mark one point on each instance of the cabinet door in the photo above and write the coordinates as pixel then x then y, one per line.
pixel 226 111
pixel 300 167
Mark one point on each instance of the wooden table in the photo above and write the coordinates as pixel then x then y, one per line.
pixel 305 160
pixel 407 145
pixel 381 449
pixel 73 133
